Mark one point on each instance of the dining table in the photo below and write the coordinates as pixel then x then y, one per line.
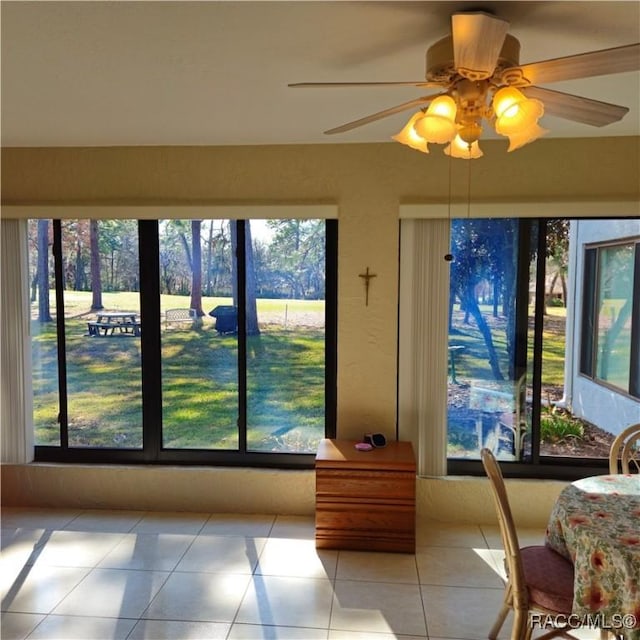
pixel 595 523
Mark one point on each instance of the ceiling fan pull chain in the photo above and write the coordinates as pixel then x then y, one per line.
pixel 449 256
pixel 469 188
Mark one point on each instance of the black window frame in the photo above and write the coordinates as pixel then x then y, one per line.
pixel 152 451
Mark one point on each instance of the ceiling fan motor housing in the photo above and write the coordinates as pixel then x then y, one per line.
pixel 441 67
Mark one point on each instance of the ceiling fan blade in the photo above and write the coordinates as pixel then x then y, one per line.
pixel 477 40
pixel 576 108
pixel 323 85
pixel 418 102
pixel 584 65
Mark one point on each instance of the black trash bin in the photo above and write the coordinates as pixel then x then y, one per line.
pixel 226 318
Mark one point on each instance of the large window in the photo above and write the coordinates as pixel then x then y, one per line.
pixel 537 310
pixel 183 340
pixel 610 319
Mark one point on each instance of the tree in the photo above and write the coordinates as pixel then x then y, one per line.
pixel 296 257
pixel 250 276
pixel 485 249
pixel 44 312
pixel 193 253
pixel 196 268
pixel 96 281
pixel 557 256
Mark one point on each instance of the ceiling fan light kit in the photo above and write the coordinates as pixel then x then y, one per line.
pixel 478 71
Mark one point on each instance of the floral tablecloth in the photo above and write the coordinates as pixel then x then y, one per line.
pixel 596 524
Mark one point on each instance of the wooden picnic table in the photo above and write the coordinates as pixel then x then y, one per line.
pixel 108 322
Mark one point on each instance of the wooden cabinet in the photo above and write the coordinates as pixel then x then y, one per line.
pixel 365 500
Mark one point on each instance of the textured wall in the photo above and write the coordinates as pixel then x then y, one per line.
pixel 368 182
pixel 222 490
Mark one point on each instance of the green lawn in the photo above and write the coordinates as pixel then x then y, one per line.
pixel 472 363
pixel 285 380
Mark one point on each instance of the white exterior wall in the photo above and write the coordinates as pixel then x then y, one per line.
pixel 594 402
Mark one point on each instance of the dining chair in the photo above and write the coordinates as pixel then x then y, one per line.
pixel 538 579
pixel 625 451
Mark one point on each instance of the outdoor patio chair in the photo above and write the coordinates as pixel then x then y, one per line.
pixel 538 578
pixel 625 451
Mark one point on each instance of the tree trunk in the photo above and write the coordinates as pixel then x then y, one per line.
pixel 209 258
pixel 96 281
pixel 78 284
pixel 252 309
pixel 471 306
pixel 196 268
pixel 44 312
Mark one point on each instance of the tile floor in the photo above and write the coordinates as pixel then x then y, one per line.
pixel 96 574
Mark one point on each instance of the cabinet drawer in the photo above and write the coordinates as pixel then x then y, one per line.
pixel 379 485
pixel 348 517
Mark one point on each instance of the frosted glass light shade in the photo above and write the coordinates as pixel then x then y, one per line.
pixel 409 136
pixel 514 112
pixel 439 123
pixel 517 140
pixel 458 148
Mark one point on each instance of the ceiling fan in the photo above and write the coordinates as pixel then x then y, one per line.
pixel 477 69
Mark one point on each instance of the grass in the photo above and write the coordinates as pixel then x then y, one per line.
pixel 285 381
pixel 473 363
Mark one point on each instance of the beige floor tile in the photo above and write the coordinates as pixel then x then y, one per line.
pixel 287 602
pixel 258 632
pixel 237 524
pixel 460 612
pixel 377 567
pixel 204 597
pixel 105 520
pixel 174 629
pixel 339 634
pixel 21 545
pixel 17 626
pixel 526 536
pixel 81 628
pixel 439 534
pixel 113 593
pixel 296 558
pixel 38 589
pixel 222 554
pixel 149 551
pixel 459 567
pixel 378 607
pixel 75 548
pixel 175 522
pixel 299 527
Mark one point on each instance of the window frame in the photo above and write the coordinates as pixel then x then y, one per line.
pixel 152 451
pixel 539 466
pixel 590 315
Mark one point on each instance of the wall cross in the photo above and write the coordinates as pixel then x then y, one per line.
pixel 366 276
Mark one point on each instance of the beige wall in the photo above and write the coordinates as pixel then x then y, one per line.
pixel 228 490
pixel 367 182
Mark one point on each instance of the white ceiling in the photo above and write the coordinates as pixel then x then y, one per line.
pixel 216 73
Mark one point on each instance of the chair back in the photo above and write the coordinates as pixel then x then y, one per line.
pixel 625 451
pixel 507 529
